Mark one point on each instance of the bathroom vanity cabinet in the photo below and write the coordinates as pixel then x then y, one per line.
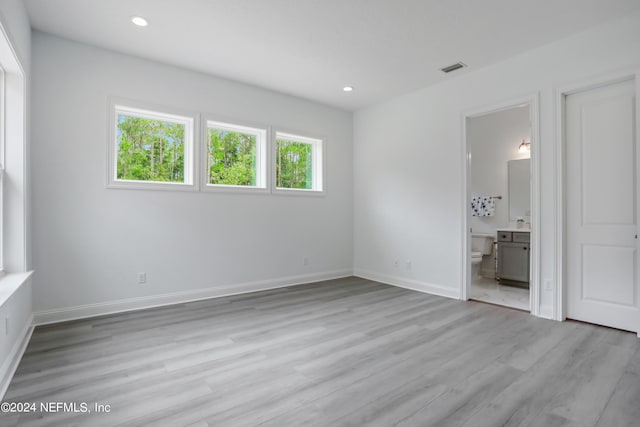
pixel 513 257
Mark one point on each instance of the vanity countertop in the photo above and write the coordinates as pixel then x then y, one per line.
pixel 514 229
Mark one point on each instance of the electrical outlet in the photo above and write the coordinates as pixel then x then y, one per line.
pixel 408 264
pixel 305 261
pixel 547 285
pixel 142 278
pixel 395 263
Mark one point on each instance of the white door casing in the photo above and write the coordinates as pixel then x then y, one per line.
pixel 602 206
pixel 534 245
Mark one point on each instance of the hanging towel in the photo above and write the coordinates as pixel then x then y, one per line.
pixel 483 206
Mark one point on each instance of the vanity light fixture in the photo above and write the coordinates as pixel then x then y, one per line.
pixel 347 88
pixel 524 147
pixel 139 21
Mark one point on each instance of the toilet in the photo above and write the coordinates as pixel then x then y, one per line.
pixel 481 245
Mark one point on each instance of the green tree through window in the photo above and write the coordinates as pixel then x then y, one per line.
pixel 294 164
pixel 232 157
pixel 150 150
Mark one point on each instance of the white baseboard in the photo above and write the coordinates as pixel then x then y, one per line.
pixel 12 361
pixel 120 306
pixel 546 312
pixel 407 283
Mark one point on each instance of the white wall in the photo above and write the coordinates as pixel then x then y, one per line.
pixel 493 140
pixel 91 241
pixel 408 157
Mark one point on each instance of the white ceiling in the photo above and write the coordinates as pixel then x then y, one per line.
pixel 312 48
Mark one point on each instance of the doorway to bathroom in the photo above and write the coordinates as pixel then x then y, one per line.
pixel 500 230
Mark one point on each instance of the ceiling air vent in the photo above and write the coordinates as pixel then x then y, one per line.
pixel 453 67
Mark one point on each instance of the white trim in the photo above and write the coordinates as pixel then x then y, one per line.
pixel 465 247
pixel 319 155
pixel 133 108
pixel 3 106
pixel 2 173
pixel 407 283
pixel 546 312
pixel 16 132
pixel 262 133
pixel 535 284
pixel 10 283
pixel 8 368
pixel 534 115
pixel 558 311
pixel 560 94
pixel 7 48
pixel 120 306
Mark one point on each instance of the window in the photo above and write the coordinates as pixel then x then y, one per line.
pixel 235 157
pixel 159 148
pixel 298 165
pixel 150 149
pixel 2 155
pixel 13 214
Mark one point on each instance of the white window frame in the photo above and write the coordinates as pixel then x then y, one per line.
pixel 318 144
pixel 2 165
pixel 262 155
pixel 13 133
pixel 153 112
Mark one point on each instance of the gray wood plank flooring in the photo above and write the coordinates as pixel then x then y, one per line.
pixel 347 352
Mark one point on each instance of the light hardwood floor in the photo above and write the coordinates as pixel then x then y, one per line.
pixel 347 352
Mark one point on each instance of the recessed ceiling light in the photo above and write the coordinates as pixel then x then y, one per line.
pixel 139 21
pixel 347 88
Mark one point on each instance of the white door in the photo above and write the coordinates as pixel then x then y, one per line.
pixel 602 207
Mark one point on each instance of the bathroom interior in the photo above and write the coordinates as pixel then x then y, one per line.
pixel 499 145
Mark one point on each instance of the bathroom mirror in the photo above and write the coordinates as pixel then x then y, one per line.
pixel 519 173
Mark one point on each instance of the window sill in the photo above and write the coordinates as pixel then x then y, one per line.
pixel 299 192
pixel 237 189
pixel 151 185
pixel 10 283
